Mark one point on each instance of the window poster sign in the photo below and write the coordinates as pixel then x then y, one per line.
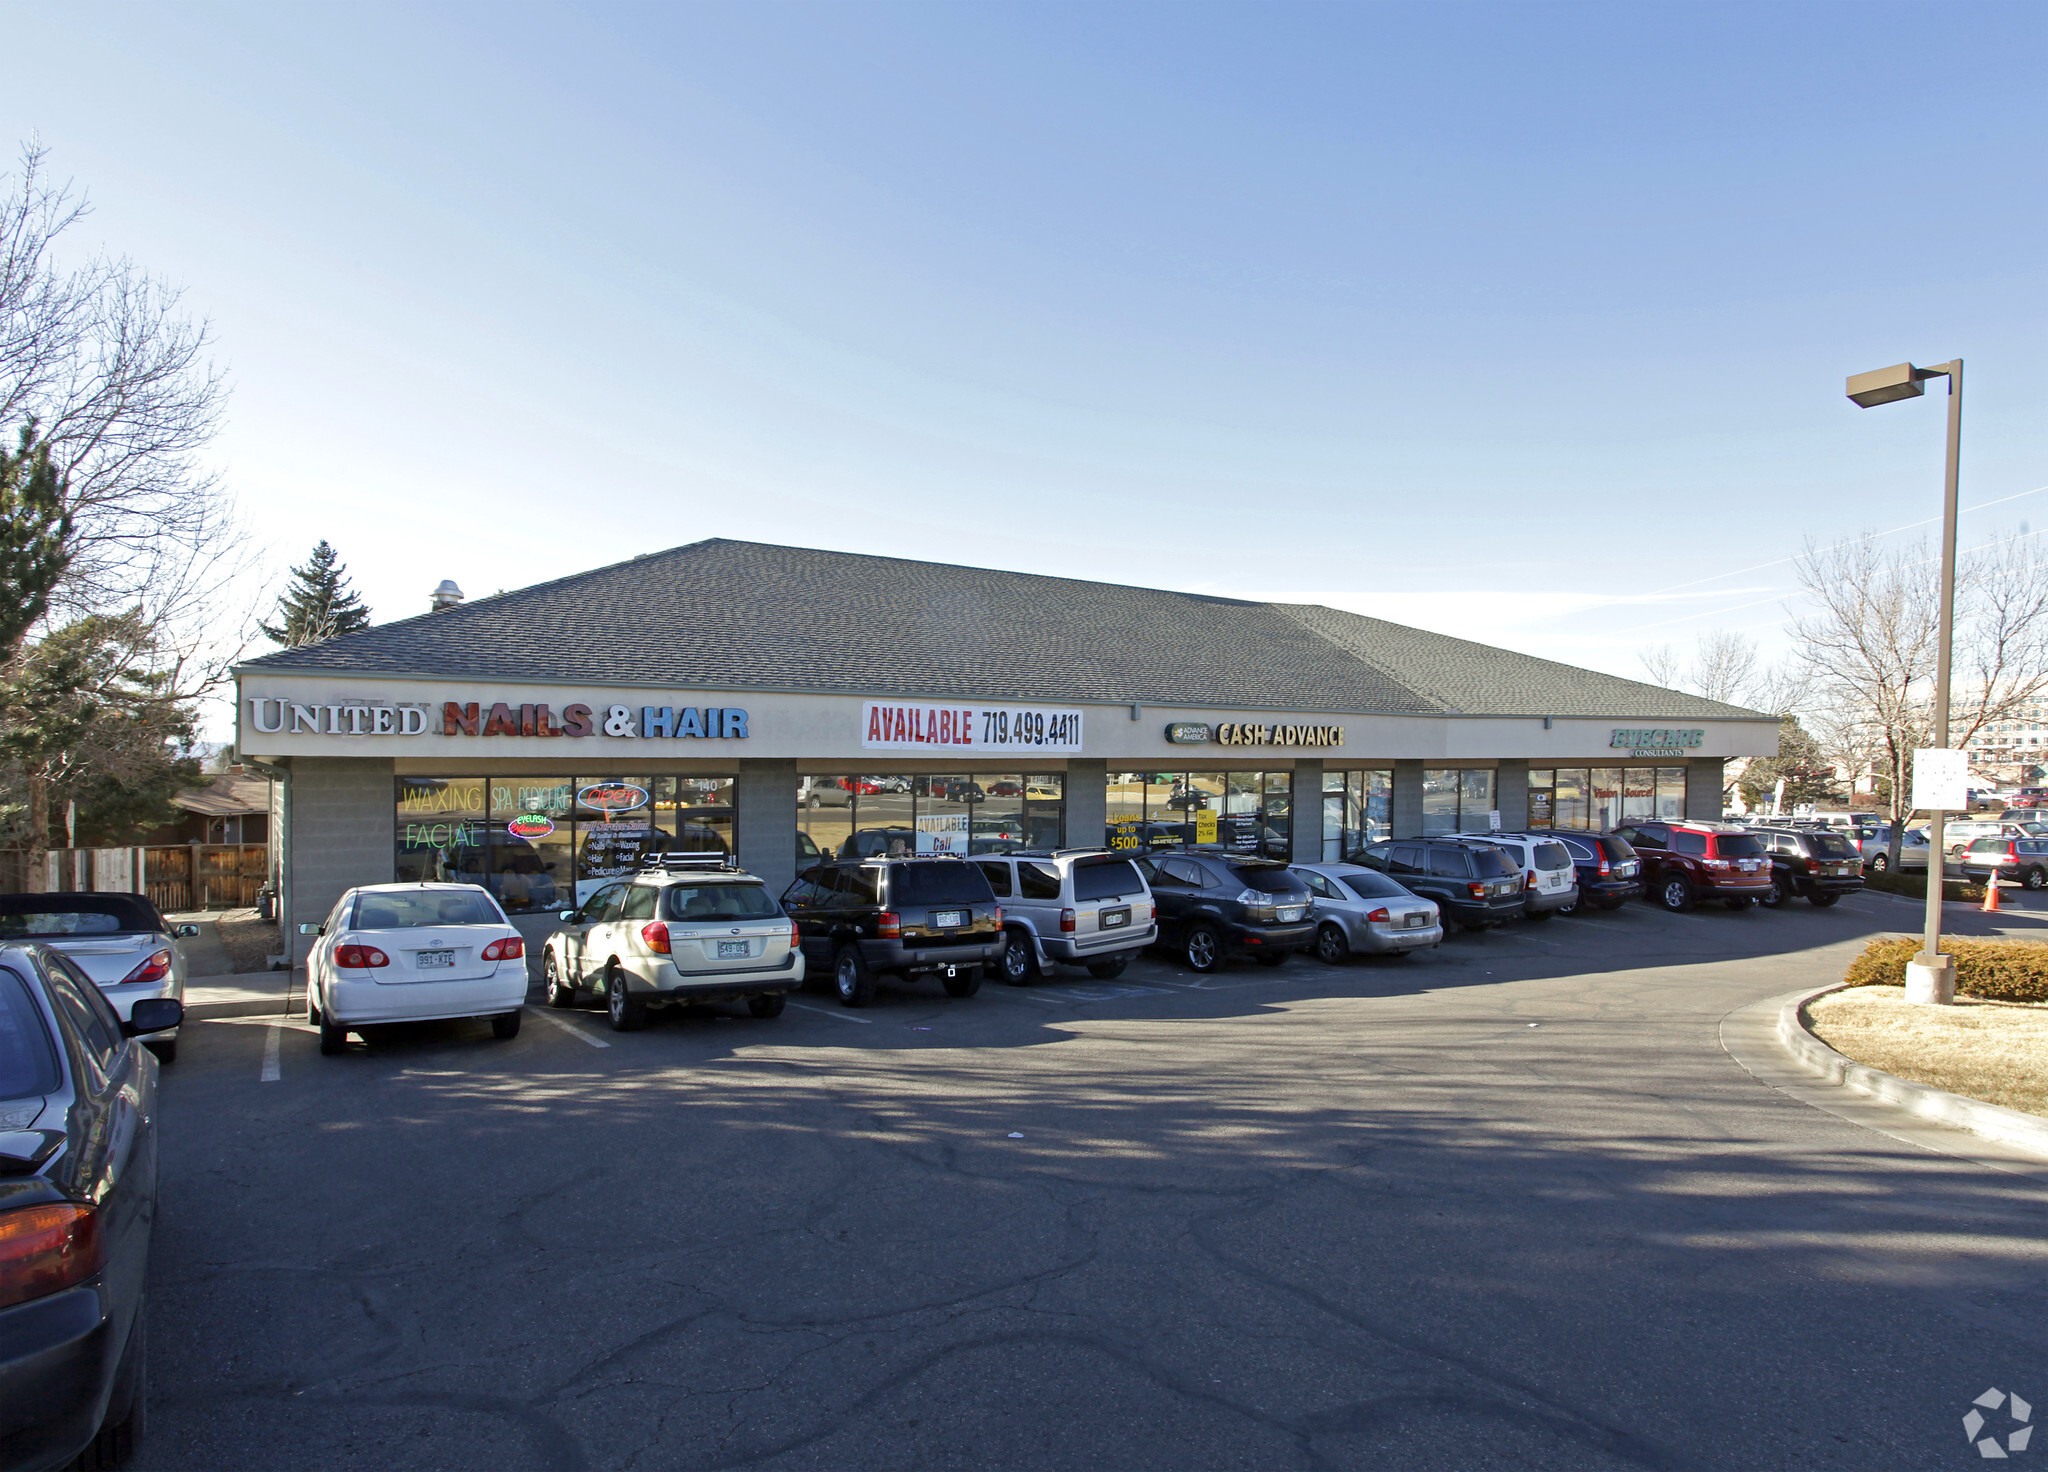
pixel 609 851
pixel 1205 826
pixel 942 833
pixel 888 725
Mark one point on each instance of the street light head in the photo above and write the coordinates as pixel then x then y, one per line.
pixel 1886 385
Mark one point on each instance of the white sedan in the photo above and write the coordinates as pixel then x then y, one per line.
pixel 413 953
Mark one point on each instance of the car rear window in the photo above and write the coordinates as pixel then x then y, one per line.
pixel 1450 863
pixel 1268 878
pixel 1551 856
pixel 717 902
pixel 1746 845
pixel 1834 846
pixel 941 883
pixel 28 1060
pixel 25 915
pixel 411 910
pixel 1106 879
pixel 1369 886
pixel 1492 863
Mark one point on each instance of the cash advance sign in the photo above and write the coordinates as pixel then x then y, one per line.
pixel 275 715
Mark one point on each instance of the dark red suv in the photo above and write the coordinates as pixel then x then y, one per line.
pixel 1684 863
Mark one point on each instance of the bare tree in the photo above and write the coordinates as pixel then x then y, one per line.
pixel 1726 667
pixel 103 373
pixel 1869 645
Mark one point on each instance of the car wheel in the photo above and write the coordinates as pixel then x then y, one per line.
pixel 1204 949
pixel 1108 970
pixel 2037 877
pixel 115 1442
pixel 965 983
pixel 851 978
pixel 333 1036
pixel 767 1005
pixel 1333 948
pixel 1780 892
pixel 1537 914
pixel 165 1052
pixel 1570 909
pixel 1822 901
pixel 561 993
pixel 1020 966
pixel 626 1012
pixel 1878 863
pixel 1674 894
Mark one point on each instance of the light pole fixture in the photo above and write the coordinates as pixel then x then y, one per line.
pixel 1931 976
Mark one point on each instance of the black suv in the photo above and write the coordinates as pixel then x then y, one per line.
pixel 1472 882
pixel 906 918
pixel 1610 874
pixel 1217 905
pixel 1822 864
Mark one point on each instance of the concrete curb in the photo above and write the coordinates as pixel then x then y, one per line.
pixel 2010 1127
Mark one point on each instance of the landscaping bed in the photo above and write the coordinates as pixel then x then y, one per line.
pixel 1996 1051
pixel 1914 886
pixel 250 942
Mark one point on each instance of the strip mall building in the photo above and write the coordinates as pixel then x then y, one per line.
pixel 782 703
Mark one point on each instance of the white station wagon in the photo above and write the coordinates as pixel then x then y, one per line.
pixel 413 953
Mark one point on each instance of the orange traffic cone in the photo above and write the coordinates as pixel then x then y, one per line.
pixel 1991 895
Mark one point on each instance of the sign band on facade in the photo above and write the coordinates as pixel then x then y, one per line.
pixel 501 718
pixel 902 726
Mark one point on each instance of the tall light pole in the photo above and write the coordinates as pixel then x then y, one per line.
pixel 1937 979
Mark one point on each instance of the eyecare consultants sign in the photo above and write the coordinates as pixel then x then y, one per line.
pixel 888 725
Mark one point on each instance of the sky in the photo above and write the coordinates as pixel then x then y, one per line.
pixel 1528 323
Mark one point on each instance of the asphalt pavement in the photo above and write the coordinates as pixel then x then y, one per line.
pixel 1505 1204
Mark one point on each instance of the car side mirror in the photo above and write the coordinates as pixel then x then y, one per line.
pixel 312 930
pixel 154 1014
pixel 570 916
pixel 184 932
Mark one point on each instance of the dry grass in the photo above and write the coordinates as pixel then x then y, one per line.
pixel 249 941
pixel 1994 1051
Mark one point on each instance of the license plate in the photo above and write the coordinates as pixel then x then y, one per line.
pixel 1290 914
pixel 1113 918
pixel 1415 922
pixel 433 960
pixel 731 948
pixel 947 919
pixel 1624 871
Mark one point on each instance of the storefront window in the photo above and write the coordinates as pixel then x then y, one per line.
pixel 1601 798
pixel 928 813
pixel 614 829
pixel 943 816
pixel 1247 812
pixel 532 843
pixel 824 814
pixel 696 813
pixel 1358 808
pixel 1457 799
pixel 1045 809
pixel 442 829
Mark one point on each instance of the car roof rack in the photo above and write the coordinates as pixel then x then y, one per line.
pixel 1054 853
pixel 689 863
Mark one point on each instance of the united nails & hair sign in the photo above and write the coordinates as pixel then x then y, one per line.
pixel 276 715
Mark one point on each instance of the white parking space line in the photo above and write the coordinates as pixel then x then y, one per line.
pixel 828 1012
pixel 272 1070
pixel 569 1027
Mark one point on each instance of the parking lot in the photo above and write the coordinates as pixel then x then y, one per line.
pixel 1506 1203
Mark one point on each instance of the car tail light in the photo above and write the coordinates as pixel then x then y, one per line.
pixel 356 957
pixel 1066 922
pixel 889 925
pixel 511 949
pixel 156 968
pixel 999 917
pixel 1530 883
pixel 1379 916
pixel 1603 865
pixel 655 933
pixel 1478 891
pixel 45 1248
pixel 796 936
pixel 1715 864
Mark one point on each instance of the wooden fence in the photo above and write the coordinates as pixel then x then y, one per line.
pixel 187 876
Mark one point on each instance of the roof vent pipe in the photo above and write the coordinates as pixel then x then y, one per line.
pixel 447 595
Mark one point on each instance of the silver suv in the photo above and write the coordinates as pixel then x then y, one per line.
pixel 685 931
pixel 1074 906
pixel 1550 880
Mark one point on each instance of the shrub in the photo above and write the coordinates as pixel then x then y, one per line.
pixel 1994 970
pixel 1915 886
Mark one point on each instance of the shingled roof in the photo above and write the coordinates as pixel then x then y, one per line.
pixel 729 615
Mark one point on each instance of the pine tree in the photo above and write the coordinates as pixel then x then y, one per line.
pixel 319 604
pixel 35 537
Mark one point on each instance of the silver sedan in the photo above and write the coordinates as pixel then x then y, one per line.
pixel 117 941
pixel 1359 909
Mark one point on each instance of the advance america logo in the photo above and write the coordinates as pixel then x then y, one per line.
pixel 2018 1410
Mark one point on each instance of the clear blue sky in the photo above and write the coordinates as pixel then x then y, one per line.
pixel 1499 319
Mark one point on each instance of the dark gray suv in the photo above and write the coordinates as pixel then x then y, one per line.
pixel 859 919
